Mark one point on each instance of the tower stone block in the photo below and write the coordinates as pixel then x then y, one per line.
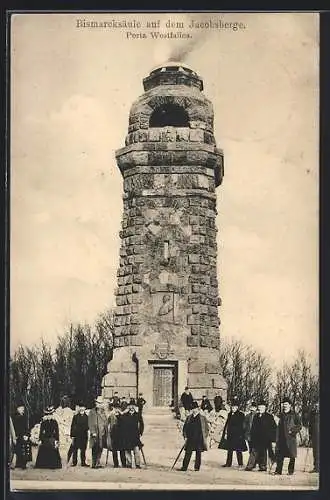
pixel 166 329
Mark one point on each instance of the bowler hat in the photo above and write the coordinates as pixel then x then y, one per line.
pixel 49 410
pixel 287 400
pixel 262 402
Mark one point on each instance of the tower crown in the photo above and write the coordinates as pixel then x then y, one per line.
pixel 172 73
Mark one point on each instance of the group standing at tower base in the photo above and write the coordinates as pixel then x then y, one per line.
pixel 117 426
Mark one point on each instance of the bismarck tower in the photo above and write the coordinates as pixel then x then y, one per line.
pixel 166 331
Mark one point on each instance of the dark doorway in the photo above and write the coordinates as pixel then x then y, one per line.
pixel 169 115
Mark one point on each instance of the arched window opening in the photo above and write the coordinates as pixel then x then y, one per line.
pixel 169 115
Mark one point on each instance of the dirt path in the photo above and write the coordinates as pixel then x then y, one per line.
pixel 158 473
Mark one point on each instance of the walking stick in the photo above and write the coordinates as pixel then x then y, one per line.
pixel 144 458
pixel 307 451
pixel 177 458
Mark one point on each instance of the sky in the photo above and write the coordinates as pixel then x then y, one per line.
pixel 71 92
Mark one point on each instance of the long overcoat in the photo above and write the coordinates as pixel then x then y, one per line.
pixel 248 419
pixel 23 447
pixel 286 439
pixel 114 433
pixel 97 423
pixel 234 431
pixel 263 430
pixel 131 428
pixel 192 443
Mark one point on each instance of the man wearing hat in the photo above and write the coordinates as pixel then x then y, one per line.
pixel 79 435
pixel 114 436
pixel 251 408
pixel 286 442
pixel 97 423
pixel 233 433
pixel 132 429
pixel 23 443
pixel 140 402
pixel 195 432
pixel 186 399
pixel 218 403
pixel 262 435
pixel 115 400
pixel 206 404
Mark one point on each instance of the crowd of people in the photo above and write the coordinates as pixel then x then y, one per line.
pixel 255 431
pixel 117 425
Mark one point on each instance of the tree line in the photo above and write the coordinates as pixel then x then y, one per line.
pixel 73 370
pixel 70 371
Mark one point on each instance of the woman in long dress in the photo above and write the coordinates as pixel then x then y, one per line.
pixel 48 453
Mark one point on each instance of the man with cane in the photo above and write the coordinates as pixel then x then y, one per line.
pixel 195 432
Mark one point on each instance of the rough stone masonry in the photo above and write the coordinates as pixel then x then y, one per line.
pixel 166 332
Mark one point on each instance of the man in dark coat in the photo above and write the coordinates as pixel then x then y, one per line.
pixel 314 436
pixel 218 403
pixel 206 405
pixel 249 415
pixel 114 437
pixel 286 442
pixel 234 434
pixel 140 402
pixel 97 423
pixel 79 435
pixel 186 399
pixel 262 435
pixel 132 429
pixel 23 444
pixel 115 400
pixel 195 431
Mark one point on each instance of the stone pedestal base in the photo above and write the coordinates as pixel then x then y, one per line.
pixel 121 376
pixel 130 372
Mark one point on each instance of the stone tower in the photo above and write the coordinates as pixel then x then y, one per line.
pixel 166 333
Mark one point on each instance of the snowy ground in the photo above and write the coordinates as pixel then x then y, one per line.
pixel 158 474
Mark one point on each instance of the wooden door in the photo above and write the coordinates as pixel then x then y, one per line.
pixel 163 386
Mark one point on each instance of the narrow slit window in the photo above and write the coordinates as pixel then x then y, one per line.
pixel 166 250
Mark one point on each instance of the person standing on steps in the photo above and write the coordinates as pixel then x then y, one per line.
pixel 286 443
pixel 218 403
pixel 233 434
pixel 115 400
pixel 186 400
pixel 97 423
pixel 79 435
pixel 140 402
pixel 206 405
pixel 314 436
pixel 195 432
